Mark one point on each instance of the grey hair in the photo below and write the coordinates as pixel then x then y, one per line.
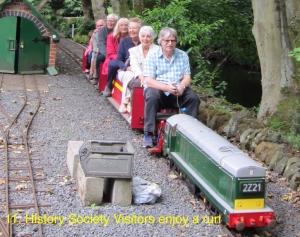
pixel 113 16
pixel 165 33
pixel 136 20
pixel 148 31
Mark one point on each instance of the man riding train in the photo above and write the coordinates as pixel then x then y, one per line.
pixel 167 79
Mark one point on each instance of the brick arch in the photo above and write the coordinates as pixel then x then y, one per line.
pixel 37 22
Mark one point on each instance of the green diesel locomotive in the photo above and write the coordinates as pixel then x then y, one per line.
pixel 224 177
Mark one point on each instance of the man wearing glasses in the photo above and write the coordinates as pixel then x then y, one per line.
pixel 167 78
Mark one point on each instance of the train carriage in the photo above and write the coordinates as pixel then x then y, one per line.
pixel 227 179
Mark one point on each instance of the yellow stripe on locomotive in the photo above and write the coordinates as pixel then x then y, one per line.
pixel 243 204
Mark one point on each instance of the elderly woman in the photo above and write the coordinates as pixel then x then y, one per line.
pixel 137 57
pixel 123 54
pixel 112 42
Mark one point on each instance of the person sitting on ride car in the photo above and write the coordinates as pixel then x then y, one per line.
pixel 167 77
pixel 112 42
pixel 92 49
pixel 123 55
pixel 102 34
pixel 137 56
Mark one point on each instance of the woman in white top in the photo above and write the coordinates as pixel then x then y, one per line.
pixel 137 56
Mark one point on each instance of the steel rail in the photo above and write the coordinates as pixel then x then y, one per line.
pixel 75 57
pixel 25 134
pixel 7 229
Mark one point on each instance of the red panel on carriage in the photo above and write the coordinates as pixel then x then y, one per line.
pixel 117 91
pixel 102 79
pixel 83 61
pixel 137 108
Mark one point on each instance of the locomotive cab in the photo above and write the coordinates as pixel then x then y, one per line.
pixel 169 139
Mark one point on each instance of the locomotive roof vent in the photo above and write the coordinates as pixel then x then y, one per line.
pixel 229 148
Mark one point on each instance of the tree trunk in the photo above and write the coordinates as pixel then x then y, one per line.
pixel 86 5
pixel 274 44
pixel 41 5
pixel 120 7
pixel 138 6
pixel 99 9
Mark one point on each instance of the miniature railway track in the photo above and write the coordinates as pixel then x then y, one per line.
pixel 75 57
pixel 19 171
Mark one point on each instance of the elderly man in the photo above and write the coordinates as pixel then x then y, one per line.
pixel 93 47
pixel 102 34
pixel 167 78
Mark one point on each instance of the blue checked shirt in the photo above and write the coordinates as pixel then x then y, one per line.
pixel 160 68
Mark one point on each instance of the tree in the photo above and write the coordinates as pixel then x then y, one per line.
pixel 138 6
pixel 86 6
pixel 276 29
pixel 41 5
pixel 120 7
pixel 99 9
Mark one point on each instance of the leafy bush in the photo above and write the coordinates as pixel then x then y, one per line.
pixel 235 38
pixel 71 8
pixel 84 26
pixel 295 53
pixel 276 124
pixel 294 140
pixel 81 39
pixel 192 37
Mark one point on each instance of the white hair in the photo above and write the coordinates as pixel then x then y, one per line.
pixel 148 31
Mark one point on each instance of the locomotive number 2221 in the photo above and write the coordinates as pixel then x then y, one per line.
pixel 251 187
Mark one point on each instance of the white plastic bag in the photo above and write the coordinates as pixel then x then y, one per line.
pixel 144 192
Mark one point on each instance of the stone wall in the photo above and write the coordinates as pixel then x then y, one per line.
pixel 249 134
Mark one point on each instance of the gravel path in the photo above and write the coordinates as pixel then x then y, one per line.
pixel 74 110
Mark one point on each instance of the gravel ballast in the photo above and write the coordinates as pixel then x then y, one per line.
pixel 73 110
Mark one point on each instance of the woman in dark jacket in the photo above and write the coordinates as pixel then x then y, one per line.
pixel 123 55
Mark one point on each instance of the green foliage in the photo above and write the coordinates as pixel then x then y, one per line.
pixel 235 37
pixel 221 87
pixel 192 37
pixel 81 39
pixel 60 24
pixel 255 109
pixel 296 54
pixel 294 140
pixel 72 8
pixel 276 124
pixel 93 206
pixel 224 108
pixel 177 16
pixel 295 128
pixel 110 10
pixel 82 26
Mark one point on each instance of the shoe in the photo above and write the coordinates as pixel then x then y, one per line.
pixel 94 81
pixel 123 108
pixel 90 76
pixel 107 92
pixel 147 140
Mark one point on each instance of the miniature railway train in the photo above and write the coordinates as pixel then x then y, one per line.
pixel 223 176
pixel 228 181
